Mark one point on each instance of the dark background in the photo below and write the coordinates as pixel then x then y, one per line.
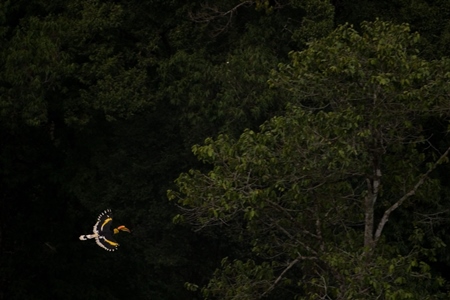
pixel 100 103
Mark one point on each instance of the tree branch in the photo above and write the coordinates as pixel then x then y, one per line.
pixel 421 180
pixel 210 13
pixel 291 264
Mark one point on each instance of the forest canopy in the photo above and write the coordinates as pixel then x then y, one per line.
pixel 283 149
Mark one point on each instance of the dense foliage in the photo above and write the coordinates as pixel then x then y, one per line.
pixel 306 158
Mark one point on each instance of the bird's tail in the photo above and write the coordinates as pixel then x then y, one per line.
pixel 86 237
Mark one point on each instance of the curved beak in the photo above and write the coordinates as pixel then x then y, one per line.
pixel 123 228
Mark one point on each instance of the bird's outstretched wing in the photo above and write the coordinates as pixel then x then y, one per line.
pixel 102 229
pixel 107 242
pixel 104 222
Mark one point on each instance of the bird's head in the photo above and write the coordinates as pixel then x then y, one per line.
pixel 123 228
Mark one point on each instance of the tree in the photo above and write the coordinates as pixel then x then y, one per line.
pixel 424 16
pixel 62 67
pixel 222 57
pixel 314 189
pixel 98 101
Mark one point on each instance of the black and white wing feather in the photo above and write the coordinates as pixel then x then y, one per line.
pixel 102 230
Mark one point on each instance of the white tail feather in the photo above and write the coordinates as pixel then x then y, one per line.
pixel 87 237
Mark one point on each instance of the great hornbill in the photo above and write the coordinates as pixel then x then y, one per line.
pixel 103 234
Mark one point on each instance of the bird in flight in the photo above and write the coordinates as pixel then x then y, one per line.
pixel 103 234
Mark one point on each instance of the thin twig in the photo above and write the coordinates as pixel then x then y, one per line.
pixel 291 264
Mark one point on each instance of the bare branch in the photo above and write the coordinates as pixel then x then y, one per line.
pixel 292 219
pixel 432 218
pixel 210 13
pixel 288 267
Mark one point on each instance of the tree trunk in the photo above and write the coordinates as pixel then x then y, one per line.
pixel 373 186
